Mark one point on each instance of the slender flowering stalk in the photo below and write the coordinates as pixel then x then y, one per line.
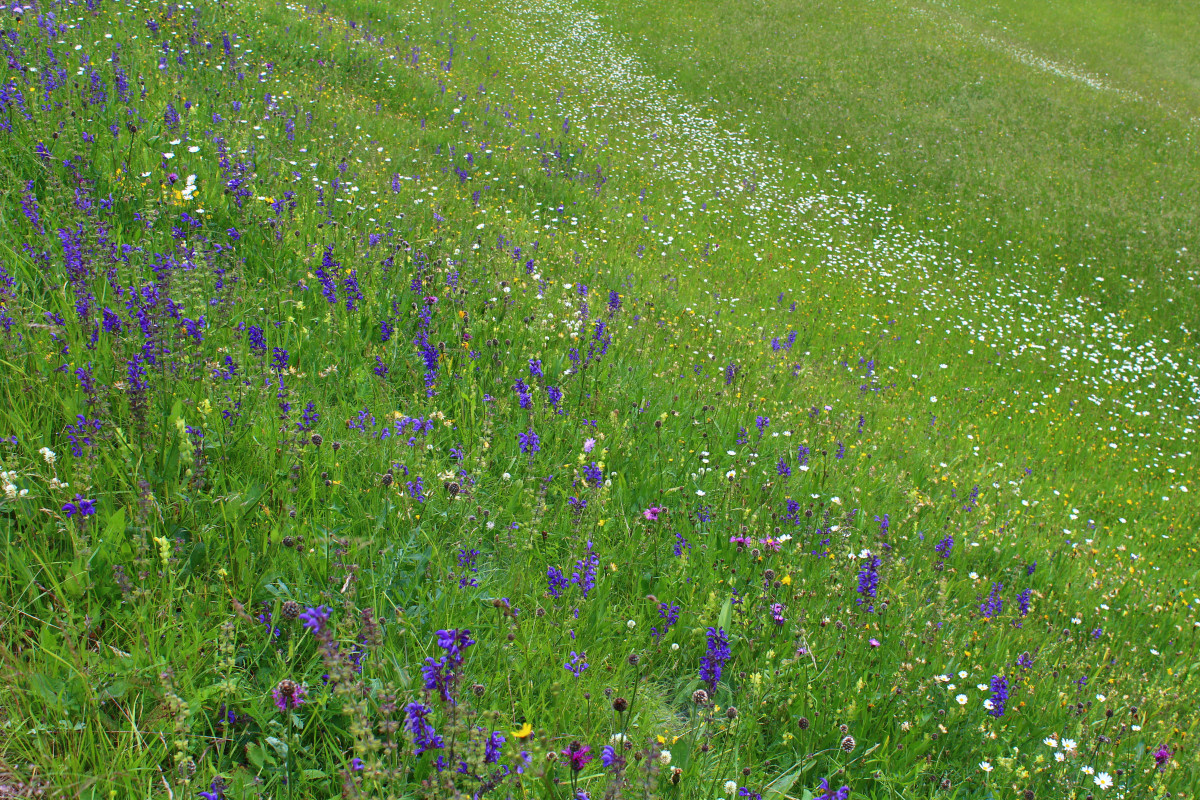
pixel 715 658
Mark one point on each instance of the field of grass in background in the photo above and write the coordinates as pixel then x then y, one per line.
pixel 573 399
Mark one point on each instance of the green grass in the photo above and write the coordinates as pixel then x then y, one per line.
pixel 859 283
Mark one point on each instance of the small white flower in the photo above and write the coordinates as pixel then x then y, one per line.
pixel 631 624
pixel 961 699
pixel 1087 770
pixel 989 705
pixel 168 156
pixel 664 757
pixel 1059 757
pixel 731 787
pixel 1068 745
pixel 49 455
pixel 1050 741
pixel 985 766
pixel 674 646
pixel 617 738
pixel 933 399
pixel 731 474
pixel 506 476
pixel 1101 698
pixel 194 148
pixel 962 673
pixel 973 575
pixel 1103 780
pixel 983 687
pixel 699 493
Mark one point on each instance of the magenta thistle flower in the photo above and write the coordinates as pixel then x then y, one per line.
pixel 652 513
pixel 288 695
pixel 578 755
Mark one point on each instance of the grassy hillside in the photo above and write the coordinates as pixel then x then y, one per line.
pixel 546 400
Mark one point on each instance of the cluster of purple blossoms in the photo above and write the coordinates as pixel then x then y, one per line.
pixel 441 675
pixel 999 699
pixel 868 582
pixel 529 442
pixel 715 658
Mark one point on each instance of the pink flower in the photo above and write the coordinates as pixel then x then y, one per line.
pixel 652 513
pixel 873 642
pixel 588 445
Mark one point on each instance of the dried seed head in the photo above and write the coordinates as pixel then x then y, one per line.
pixel 848 744
pixel 290 610
pixel 620 705
pixel 803 723
pixel 700 697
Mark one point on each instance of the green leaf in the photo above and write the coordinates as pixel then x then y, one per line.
pixel 726 614
pixel 312 774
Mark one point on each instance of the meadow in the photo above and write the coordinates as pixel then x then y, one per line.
pixel 582 399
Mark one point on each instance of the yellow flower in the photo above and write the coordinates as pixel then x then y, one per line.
pixel 786 580
pixel 523 732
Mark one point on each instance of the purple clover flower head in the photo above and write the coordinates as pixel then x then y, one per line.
pixel 1162 755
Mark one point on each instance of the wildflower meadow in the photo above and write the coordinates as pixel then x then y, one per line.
pixel 578 399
